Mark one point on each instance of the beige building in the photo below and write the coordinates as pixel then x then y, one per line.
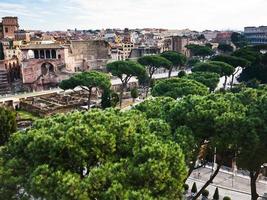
pixel 22 35
pixel 121 51
pixel 13 53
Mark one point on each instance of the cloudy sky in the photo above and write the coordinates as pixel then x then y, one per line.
pixel 173 14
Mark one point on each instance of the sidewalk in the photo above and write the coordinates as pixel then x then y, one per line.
pixel 222 191
pixel 238 186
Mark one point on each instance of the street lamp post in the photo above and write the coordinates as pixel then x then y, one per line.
pixel 234 170
pixel 214 162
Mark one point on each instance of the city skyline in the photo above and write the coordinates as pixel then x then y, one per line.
pixel 97 14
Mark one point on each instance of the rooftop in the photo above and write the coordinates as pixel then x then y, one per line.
pixel 42 46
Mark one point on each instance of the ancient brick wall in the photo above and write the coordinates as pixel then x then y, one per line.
pixel 91 54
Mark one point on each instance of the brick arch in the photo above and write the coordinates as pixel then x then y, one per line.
pixel 47 67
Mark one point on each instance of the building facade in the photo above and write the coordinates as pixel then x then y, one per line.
pixel 22 35
pixel 8 27
pixel 176 43
pixel 41 65
pixel 45 65
pixel 256 35
pixel 223 37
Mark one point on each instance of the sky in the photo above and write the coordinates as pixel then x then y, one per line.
pixel 197 15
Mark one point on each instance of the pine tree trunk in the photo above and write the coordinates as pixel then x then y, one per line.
pixel 225 81
pixel 89 98
pixel 121 94
pixel 170 72
pixel 149 83
pixel 208 182
pixel 253 186
pixel 232 80
pixel 191 168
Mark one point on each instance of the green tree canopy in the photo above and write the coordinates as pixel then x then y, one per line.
pixel 154 62
pixel 225 48
pixel 226 69
pixel 236 62
pixel 232 60
pixel 92 155
pixel 252 146
pixel 201 51
pixel 250 54
pixel 201 112
pixel 206 67
pixel 238 39
pixel 158 107
pixel 125 70
pixel 209 79
pixel 177 59
pixel 87 81
pixel 178 87
pixel 221 68
pixel 257 69
pixel 215 118
pixel 8 124
pixel 192 62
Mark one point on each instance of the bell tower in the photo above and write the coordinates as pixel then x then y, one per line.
pixel 9 26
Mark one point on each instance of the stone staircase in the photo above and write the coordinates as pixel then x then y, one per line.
pixel 4 85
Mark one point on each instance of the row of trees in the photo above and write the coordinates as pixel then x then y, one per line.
pixel 143 70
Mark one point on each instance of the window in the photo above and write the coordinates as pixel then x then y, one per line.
pixel 47 54
pixel 42 54
pixel 36 54
pixel 6 29
pixel 54 54
pixel 59 56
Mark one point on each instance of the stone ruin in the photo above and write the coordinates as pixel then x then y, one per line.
pixel 47 105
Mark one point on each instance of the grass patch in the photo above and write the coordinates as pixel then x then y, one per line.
pixel 24 115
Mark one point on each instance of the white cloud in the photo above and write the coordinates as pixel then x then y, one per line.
pixel 17 10
pixel 175 14
pixel 196 14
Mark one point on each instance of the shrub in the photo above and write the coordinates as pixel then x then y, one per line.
pixel 134 93
pixel 205 193
pixel 216 194
pixel 186 187
pixel 226 198
pixel 194 188
pixel 181 74
pixel 115 99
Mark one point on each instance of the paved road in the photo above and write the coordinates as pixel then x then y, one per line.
pixel 17 97
pixel 237 187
